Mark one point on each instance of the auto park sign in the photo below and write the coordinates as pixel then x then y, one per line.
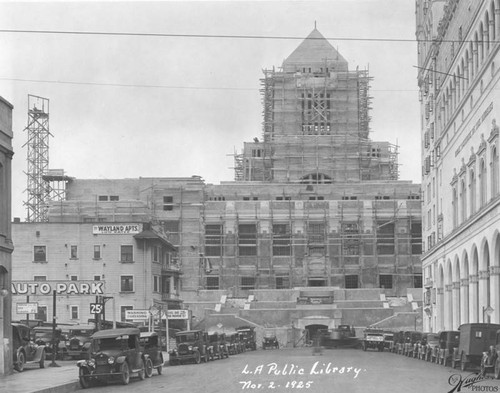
pixel 61 287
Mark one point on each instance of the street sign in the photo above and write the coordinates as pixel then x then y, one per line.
pixel 27 308
pixel 177 314
pixel 136 314
pixel 96 308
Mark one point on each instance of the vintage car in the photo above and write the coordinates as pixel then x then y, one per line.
pixel 373 339
pixel 78 341
pixel 115 354
pixel 448 339
pixel 217 347
pixel 25 351
pixel 419 347
pixel 153 357
pixel 192 345
pixel 233 343
pixel 270 341
pixel 247 334
pixel 342 336
pixel 43 335
pixel 410 339
pixel 475 339
pixel 388 341
pixel 399 341
pixel 431 349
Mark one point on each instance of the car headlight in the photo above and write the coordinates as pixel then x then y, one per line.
pixel 111 360
pixel 190 347
pixel 91 363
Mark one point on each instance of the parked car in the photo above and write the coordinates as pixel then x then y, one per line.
pixel 217 347
pixel 373 339
pixel 399 341
pixel 411 338
pixel 25 351
pixel 248 337
pixel 448 340
pixel 153 357
pixel 233 343
pixel 115 354
pixel 270 341
pixel 78 341
pixel 432 347
pixel 43 335
pixel 420 347
pixel 191 346
pixel 342 336
pixel 475 339
pixel 389 341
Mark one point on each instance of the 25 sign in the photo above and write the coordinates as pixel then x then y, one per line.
pixel 96 308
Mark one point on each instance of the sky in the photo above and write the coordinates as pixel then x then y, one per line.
pixel 180 103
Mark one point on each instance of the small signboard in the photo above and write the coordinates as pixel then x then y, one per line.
pixel 137 315
pixel 177 314
pixel 27 308
pixel 96 308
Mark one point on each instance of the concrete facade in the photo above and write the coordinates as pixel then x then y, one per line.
pixel 458 80
pixel 6 245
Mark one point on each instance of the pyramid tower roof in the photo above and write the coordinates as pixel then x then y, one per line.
pixel 315 50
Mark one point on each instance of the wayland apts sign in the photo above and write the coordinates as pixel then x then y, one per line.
pixel 61 287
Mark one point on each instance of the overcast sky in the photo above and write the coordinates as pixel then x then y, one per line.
pixel 129 106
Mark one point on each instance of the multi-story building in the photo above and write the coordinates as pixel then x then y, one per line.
pixel 6 246
pixel 317 208
pixel 458 56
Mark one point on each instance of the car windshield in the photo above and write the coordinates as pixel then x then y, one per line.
pixel 213 339
pixel 81 332
pixel 183 338
pixel 43 335
pixel 104 344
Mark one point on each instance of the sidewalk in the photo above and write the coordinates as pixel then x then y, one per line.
pixel 33 379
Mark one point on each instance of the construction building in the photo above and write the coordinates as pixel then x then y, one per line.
pixel 317 230
pixel 6 246
pixel 458 57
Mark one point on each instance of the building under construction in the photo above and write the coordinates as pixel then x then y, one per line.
pixel 316 123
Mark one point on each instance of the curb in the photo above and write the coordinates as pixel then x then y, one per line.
pixel 63 388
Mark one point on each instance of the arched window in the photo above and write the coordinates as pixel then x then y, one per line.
pixel 494 172
pixel 482 183
pixel 463 201
pixel 481 43
pixel 472 192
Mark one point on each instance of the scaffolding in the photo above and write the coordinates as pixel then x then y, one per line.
pixel 38 159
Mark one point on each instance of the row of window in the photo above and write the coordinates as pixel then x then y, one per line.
pixel 314 197
pixel 351 281
pixel 126 253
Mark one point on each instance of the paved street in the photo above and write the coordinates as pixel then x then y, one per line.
pixel 290 370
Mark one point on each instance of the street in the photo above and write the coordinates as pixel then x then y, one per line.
pixel 338 370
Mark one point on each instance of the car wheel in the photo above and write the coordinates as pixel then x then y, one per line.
pixel 19 366
pixel 142 374
pixel 463 362
pixel 159 369
pixel 197 357
pixel 497 368
pixel 42 361
pixel 149 368
pixel 84 378
pixel 125 374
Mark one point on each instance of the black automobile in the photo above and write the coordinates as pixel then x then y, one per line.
pixel 192 345
pixel 373 339
pixel 48 337
pixel 248 337
pixel 115 354
pixel 270 341
pixel 78 341
pixel 25 351
pixel 217 346
pixel 153 357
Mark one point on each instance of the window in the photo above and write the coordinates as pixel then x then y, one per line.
pixel 168 203
pixel 156 284
pixel 74 278
pixel 213 240
pixel 73 252
pixel 351 281
pixel 156 253
pixel 385 281
pixel 417 281
pixel 247 283
pixel 97 252
pixel 282 240
pixel 212 282
pixel 316 238
pixel 172 231
pixel 97 278
pixel 123 310
pixel 127 253
pixel 42 313
pixel 247 239
pixel 114 198
pixel 74 312
pixel 103 198
pixel 39 278
pixel 385 238
pixel 126 283
pixel 416 238
pixel 282 282
pixel 40 253
pixel 350 239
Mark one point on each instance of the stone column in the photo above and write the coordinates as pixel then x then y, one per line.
pixel 473 299
pixel 439 309
pixel 456 305
pixel 495 293
pixel 464 300
pixel 448 307
pixel 483 293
